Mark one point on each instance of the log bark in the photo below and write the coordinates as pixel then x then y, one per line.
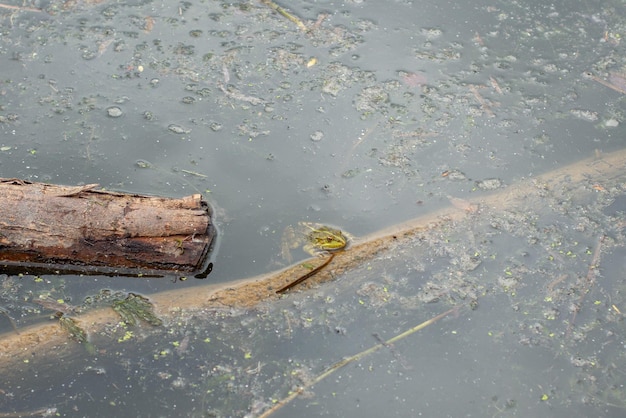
pixel 82 229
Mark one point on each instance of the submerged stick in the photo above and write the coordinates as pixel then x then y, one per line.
pixel 41 412
pixel 6 313
pixel 286 14
pixel 605 83
pixel 591 279
pixel 250 291
pixel 306 276
pixel 354 358
pixel 20 8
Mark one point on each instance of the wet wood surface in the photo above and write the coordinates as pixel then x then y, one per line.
pixel 83 229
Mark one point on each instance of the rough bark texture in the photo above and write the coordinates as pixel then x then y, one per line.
pixel 86 230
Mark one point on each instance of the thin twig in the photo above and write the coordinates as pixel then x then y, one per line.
pixel 6 313
pixel 286 14
pixel 550 287
pixel 358 142
pixel 42 412
pixel 606 83
pixel 306 276
pixel 393 351
pixel 591 278
pixel 20 8
pixel 354 358
pixel 483 103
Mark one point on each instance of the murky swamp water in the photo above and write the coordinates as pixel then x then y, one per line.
pixel 378 113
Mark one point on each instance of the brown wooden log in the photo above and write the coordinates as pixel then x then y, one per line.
pixel 81 229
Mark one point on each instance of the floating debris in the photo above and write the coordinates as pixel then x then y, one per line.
pixel 288 15
pixel 136 307
pixel 235 94
pixel 114 112
pixel 585 114
pixel 178 129
pixel 57 305
pixel 143 164
pixel 489 184
pixel 71 326
pixel 317 136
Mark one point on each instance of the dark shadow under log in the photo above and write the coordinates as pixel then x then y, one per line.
pixel 84 230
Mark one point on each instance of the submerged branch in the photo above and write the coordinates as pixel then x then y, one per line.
pixel 251 291
pixel 590 281
pixel 354 358
pixel 289 16
pixel 306 276
pixel 20 8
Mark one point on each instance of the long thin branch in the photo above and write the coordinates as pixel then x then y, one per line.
pixel 20 8
pixel 354 358
pixel 591 279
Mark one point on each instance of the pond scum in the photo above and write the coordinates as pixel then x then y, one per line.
pixel 131 308
pixel 601 175
pixel 136 307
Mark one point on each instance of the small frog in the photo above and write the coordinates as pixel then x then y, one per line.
pixel 316 238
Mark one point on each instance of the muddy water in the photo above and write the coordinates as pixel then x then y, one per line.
pixel 373 117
